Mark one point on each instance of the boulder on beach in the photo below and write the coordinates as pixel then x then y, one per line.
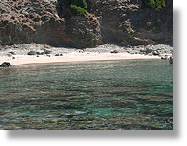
pixel 47 51
pixel 155 52
pixel 114 51
pixel 32 53
pixel 5 64
pixel 58 54
pixel 165 57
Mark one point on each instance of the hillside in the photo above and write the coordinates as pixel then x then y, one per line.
pixel 125 22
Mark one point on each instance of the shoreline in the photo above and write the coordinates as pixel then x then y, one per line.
pixel 18 54
pixel 73 58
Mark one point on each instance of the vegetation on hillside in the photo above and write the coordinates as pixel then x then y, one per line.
pixel 76 10
pixel 78 7
pixel 155 4
pixel 80 3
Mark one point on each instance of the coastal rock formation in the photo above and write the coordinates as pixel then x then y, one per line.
pixel 125 22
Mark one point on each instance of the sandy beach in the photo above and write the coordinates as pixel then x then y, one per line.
pixel 72 57
pixel 18 54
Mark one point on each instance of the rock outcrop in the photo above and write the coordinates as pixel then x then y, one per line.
pixel 5 64
pixel 126 22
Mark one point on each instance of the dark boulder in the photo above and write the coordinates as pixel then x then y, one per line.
pixel 171 60
pixel 58 54
pixel 32 53
pixel 114 51
pixel 5 64
pixel 13 53
pixel 47 51
pixel 38 53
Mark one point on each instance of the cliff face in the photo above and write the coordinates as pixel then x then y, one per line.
pixel 127 22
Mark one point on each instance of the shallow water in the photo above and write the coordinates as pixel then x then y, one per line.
pixel 95 95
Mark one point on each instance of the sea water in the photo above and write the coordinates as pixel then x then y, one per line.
pixel 116 95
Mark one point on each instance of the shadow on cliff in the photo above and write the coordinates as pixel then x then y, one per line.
pixel 108 35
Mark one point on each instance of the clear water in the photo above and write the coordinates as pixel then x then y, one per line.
pixel 96 95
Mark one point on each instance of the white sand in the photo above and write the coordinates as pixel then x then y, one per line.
pixel 99 53
pixel 71 57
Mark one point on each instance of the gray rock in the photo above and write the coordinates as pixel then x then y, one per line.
pixel 146 51
pixel 32 53
pixel 9 55
pixel 163 57
pixel 38 53
pixel 47 51
pixel 155 52
pixel 57 54
pixel 12 53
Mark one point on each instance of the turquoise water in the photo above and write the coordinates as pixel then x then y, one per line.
pixel 120 95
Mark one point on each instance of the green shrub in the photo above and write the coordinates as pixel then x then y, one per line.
pixel 77 6
pixel 155 4
pixel 76 10
pixel 80 3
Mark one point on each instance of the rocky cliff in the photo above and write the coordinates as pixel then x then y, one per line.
pixel 126 22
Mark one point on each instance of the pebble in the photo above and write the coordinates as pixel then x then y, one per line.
pixel 5 120
pixel 153 115
pixel 79 112
pixel 17 128
pixel 144 124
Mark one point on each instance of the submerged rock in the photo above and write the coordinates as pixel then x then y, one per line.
pixel 171 60
pixel 5 64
